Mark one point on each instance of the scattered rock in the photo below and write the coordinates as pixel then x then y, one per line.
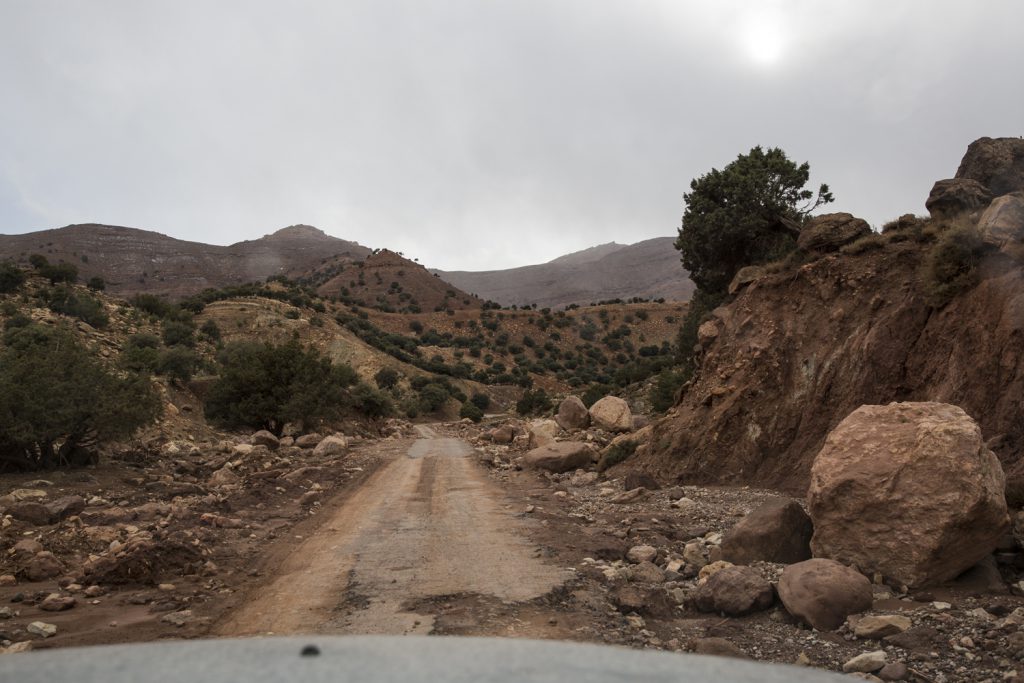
pixel 635 480
pixel 14 648
pixel 65 506
pixel 823 593
pixel 777 531
pixel 952 197
pixel 308 440
pixel 55 602
pixel 331 445
pixel 561 456
pixel 745 276
pixel 642 553
pixel 648 572
pixel 41 628
pixel 709 570
pixel 32 512
pixel 572 414
pixel 178 619
pixel 612 414
pixel 242 449
pixel 44 565
pixel 734 591
pixel 867 662
pixel 908 490
pixel 717 647
pixel 876 627
pixel 225 476
pixel 894 671
pixel 542 432
pixel 630 496
pixel 830 231
pixel 265 438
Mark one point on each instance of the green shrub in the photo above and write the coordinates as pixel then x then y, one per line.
pixel 176 364
pixel 265 386
pixel 534 402
pixel 210 331
pixel 370 402
pixel 615 454
pixel 66 301
pixel 152 304
pixel 11 277
pixel 58 403
pixel 480 400
pixel 178 333
pixel 951 267
pixel 663 393
pixel 594 393
pixel 386 378
pixel 472 411
pixel 96 283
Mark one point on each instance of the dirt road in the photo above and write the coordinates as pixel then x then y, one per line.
pixel 428 524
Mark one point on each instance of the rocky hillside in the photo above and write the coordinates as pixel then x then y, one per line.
pixel 809 341
pixel 389 282
pixel 648 269
pixel 132 260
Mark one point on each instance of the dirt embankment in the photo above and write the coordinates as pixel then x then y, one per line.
pixel 797 351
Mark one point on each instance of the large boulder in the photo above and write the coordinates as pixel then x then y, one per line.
pixel 612 414
pixel 308 440
pixel 777 531
pixel 331 445
pixel 996 163
pixel 542 432
pixel 572 414
pixel 831 231
pixel 265 438
pixel 32 512
pixel 1003 221
pixel 822 593
pixel 43 565
pixel 734 591
pixel 561 456
pixel 955 196
pixel 908 490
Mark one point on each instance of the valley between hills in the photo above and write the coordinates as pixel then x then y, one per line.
pixel 822 469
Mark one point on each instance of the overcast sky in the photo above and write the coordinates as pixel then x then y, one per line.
pixel 480 134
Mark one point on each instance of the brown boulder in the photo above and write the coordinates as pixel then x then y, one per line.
pixel 1003 221
pixel 955 196
pixel 996 163
pixel 635 480
pixel 612 414
pixel 745 276
pixel 778 531
pixel 822 593
pixel 44 565
pixel 561 456
pixel 308 440
pixel 34 513
pixel 265 438
pixel 542 432
pixel 831 231
pixel 502 435
pixel 572 414
pixel 908 490
pixel 65 506
pixel 331 445
pixel 734 591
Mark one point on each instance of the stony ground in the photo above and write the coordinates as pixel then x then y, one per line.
pixel 431 530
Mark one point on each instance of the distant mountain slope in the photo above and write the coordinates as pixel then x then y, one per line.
pixel 649 269
pixel 132 260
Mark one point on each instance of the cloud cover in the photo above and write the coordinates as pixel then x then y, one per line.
pixel 477 135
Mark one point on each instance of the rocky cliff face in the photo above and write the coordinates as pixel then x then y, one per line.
pixel 797 352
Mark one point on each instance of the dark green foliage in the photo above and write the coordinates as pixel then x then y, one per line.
pixel 386 378
pixel 292 314
pixel 179 333
pixel 471 411
pixel 747 213
pixel 66 301
pixel 432 397
pixel 11 277
pixel 594 393
pixel 663 394
pixel 951 267
pixel 176 363
pixel 38 261
pixel 370 402
pixel 264 386
pixel 481 400
pixel 701 305
pixel 141 353
pixel 96 283
pixel 60 272
pixel 534 402
pixel 210 331
pixel 616 454
pixel 151 304
pixel 57 402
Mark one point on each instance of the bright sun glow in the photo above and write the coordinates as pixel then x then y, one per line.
pixel 762 40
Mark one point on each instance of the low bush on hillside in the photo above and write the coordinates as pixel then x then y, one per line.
pixel 470 410
pixel 11 277
pixel 58 403
pixel 534 402
pixel 871 242
pixel 66 301
pixel 265 386
pixel 662 394
pixel 951 266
